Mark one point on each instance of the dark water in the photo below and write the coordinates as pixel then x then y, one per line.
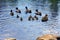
pixel 11 27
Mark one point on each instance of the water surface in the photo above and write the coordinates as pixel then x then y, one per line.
pixel 11 27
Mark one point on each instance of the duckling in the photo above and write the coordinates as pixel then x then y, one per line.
pixel 17 10
pixel 45 18
pixel 30 17
pixel 21 19
pixel 17 16
pixel 27 10
pixel 33 18
pixel 36 17
pixel 38 13
pixel 11 13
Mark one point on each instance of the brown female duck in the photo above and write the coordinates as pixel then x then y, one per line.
pixel 45 18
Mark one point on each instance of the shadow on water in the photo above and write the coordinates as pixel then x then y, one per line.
pixel 4 4
pixel 54 8
pixel 38 3
pixel 54 13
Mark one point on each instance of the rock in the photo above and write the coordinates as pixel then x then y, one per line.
pixel 47 37
pixel 10 39
pixel 58 38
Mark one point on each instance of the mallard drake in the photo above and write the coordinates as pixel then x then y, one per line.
pixel 45 18
pixel 21 18
pixel 17 16
pixel 36 17
pixel 38 13
pixel 27 10
pixel 29 18
pixel 17 10
pixel 11 13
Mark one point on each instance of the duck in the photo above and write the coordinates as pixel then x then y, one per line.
pixel 21 18
pixel 37 12
pixel 33 18
pixel 45 18
pixel 27 10
pixel 11 13
pixel 17 16
pixel 36 17
pixel 17 10
pixel 29 18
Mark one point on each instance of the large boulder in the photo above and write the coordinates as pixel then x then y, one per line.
pixel 47 37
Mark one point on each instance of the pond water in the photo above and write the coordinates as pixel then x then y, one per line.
pixel 12 27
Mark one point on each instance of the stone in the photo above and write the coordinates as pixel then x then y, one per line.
pixel 10 39
pixel 47 37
